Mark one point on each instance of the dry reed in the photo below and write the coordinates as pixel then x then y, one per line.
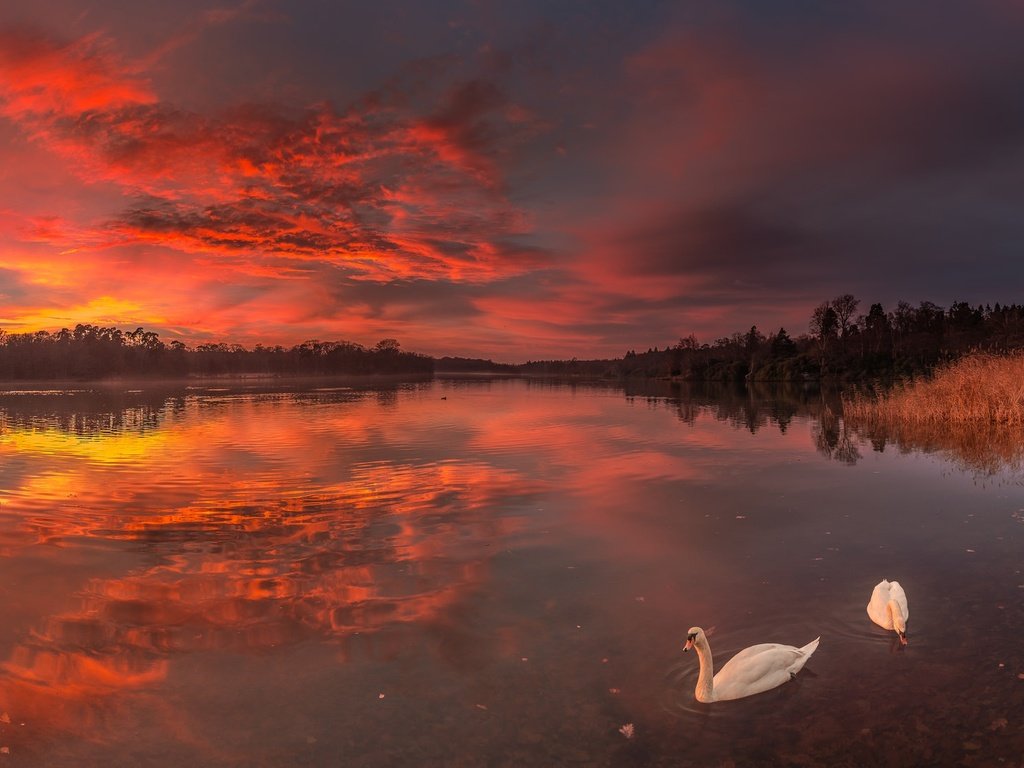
pixel 979 389
pixel 972 410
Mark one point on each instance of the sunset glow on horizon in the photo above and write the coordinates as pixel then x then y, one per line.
pixel 504 181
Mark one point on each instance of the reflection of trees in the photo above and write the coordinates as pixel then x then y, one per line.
pixel 87 412
pixel 756 405
pixel 985 448
pixel 982 448
pixel 750 407
pixel 834 439
pixel 107 410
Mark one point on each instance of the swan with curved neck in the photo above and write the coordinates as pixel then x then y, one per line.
pixel 888 608
pixel 753 670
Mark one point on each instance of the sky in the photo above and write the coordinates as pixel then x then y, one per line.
pixel 514 181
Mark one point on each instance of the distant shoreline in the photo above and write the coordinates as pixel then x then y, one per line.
pixel 177 382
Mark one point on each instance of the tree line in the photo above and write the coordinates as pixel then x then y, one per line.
pixel 93 352
pixel 841 344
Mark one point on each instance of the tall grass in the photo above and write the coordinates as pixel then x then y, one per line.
pixel 979 389
pixel 972 410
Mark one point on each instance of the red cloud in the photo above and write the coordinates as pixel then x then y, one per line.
pixel 42 81
pixel 378 188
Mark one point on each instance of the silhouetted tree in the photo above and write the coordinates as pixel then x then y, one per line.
pixel 844 306
pixel 91 352
pixel 824 323
pixel 781 345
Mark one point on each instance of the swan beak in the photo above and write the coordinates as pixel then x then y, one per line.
pixel 903 637
pixel 689 644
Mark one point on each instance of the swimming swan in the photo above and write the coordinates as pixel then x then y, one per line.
pixel 888 608
pixel 753 670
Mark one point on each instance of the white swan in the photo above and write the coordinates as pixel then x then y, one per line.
pixel 753 670
pixel 888 608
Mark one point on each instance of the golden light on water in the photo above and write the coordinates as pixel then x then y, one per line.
pixel 111 450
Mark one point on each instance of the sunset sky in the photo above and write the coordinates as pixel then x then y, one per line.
pixel 505 180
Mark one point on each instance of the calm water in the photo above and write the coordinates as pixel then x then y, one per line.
pixel 489 573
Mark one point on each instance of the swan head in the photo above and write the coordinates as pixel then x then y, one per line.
pixel 694 636
pixel 901 629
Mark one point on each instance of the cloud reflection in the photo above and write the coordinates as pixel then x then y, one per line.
pixel 245 551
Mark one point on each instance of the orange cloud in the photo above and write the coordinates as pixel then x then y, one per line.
pixel 377 188
pixel 41 80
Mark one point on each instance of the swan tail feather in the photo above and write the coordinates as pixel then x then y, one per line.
pixel 802 655
pixel 811 647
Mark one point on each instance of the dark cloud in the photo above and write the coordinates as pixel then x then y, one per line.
pixel 247 225
pixel 465 105
pixel 731 239
pixel 411 300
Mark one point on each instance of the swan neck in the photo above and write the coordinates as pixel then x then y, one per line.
pixel 705 690
pixel 896 616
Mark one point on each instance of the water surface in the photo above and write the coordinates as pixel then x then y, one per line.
pixel 489 573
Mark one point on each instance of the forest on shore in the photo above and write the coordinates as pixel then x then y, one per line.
pixel 840 345
pixel 91 352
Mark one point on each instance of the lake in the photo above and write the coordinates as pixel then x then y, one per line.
pixel 490 573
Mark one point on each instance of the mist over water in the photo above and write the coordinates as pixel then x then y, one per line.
pixel 491 572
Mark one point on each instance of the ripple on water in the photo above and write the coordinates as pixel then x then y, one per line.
pixel 681 677
pixel 718 721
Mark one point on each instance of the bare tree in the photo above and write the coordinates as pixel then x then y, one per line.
pixel 824 322
pixel 844 306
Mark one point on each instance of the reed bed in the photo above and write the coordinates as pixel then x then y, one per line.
pixel 979 389
pixel 971 410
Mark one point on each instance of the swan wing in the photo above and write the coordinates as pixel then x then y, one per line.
pixel 877 605
pixel 760 668
pixel 896 593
